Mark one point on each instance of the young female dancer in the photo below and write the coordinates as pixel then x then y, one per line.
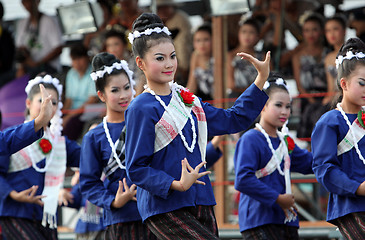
pixel 31 178
pixel 263 160
pixel 103 153
pixel 10 142
pixel 338 145
pixel 167 129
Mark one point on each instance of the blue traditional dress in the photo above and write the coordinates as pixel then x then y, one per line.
pixel 154 149
pixel 336 164
pixel 33 167
pixel 259 189
pixel 96 159
pixel 15 138
pixel 91 217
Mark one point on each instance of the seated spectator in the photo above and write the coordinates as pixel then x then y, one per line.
pixel 80 91
pixel 201 79
pixel 179 25
pixel 335 31
pixel 38 41
pixel 309 72
pixel 129 12
pixel 241 73
pixel 7 52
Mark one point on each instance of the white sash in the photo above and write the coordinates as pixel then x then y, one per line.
pixel 347 142
pixel 166 130
pixel 54 174
pixel 282 153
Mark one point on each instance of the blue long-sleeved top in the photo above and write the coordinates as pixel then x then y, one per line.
pixel 340 175
pixel 25 179
pixel 15 138
pixel 95 155
pixel 257 204
pixel 153 173
pixel 78 202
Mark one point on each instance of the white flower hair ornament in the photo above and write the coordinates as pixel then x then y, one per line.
pixel 349 55
pixel 278 81
pixel 109 69
pixel 56 121
pixel 148 31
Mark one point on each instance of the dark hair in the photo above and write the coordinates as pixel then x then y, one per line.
pixel 205 27
pixel 78 50
pixel 315 17
pixel 338 18
pixel 1 11
pixel 99 62
pixel 252 22
pixel 354 45
pixel 347 66
pixel 119 33
pixel 273 86
pixel 143 43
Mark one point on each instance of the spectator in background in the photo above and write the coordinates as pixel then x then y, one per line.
pixel 201 79
pixel 116 44
pixel 38 41
pixel 309 72
pixel 335 31
pixel 179 25
pixel 7 52
pixel 241 73
pixel 129 12
pixel 357 22
pixel 95 41
pixel 80 91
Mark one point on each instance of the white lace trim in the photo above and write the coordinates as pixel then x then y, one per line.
pixel 148 31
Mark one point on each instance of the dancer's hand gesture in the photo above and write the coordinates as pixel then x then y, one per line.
pixel 27 196
pixel 124 194
pixel 287 203
pixel 262 67
pixel 189 176
pixel 46 112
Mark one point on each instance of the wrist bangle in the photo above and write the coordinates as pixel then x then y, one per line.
pixel 182 187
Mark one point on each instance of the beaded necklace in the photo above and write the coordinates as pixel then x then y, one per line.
pixel 352 132
pixel 174 88
pixel 112 145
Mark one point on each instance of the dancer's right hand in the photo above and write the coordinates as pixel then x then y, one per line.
pixel 27 196
pixel 287 203
pixel 189 176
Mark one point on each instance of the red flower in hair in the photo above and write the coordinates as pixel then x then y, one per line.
pixel 290 143
pixel 187 97
pixel 45 145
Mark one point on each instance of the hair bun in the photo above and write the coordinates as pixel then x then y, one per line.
pixel 103 59
pixel 354 45
pixel 147 20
